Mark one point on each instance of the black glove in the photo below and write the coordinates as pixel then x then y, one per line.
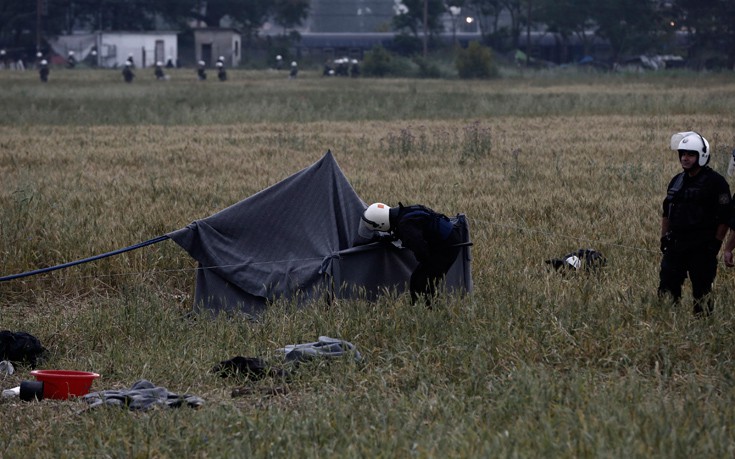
pixel 666 242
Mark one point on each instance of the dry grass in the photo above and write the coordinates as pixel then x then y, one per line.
pixel 532 364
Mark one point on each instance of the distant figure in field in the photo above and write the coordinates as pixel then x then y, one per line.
pixel 221 72
pixel 130 59
pixel 355 69
pixel 170 63
pixel 158 72
pixel 279 62
pixel 43 70
pixel 71 61
pixel 202 71
pixel 93 58
pixel 127 72
pixel 3 59
pixel 294 70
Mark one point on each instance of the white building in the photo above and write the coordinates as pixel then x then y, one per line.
pixel 114 48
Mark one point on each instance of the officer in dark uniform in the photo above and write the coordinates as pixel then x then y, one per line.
pixel 202 71
pixel 127 72
pixel 694 223
pixel 43 70
pixel 431 236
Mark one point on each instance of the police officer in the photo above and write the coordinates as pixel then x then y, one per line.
pixel 43 70
pixel 127 72
pixel 693 224
pixel 431 236
pixel 202 71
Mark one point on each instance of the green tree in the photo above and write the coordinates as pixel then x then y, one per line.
pixel 630 26
pixel 410 16
pixel 475 62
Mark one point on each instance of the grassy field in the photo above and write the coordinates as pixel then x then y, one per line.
pixel 531 364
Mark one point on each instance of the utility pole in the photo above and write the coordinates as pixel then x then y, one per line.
pixel 38 24
pixel 426 28
pixel 528 34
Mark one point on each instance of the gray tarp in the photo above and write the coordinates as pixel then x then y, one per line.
pixel 296 239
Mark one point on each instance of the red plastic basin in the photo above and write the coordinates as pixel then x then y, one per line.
pixel 61 384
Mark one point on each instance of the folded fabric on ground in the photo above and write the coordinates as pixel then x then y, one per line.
pixel 325 347
pixel 142 396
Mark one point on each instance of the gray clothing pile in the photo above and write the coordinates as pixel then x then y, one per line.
pixel 142 396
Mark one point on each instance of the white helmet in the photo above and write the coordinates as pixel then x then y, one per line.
pixel 201 63
pixel 159 63
pixel 376 217
pixel 44 62
pixel 293 64
pixel 219 64
pixel 692 141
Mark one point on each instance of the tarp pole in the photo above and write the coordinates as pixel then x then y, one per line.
pixel 85 260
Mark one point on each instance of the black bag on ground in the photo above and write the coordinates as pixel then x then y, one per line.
pixel 20 347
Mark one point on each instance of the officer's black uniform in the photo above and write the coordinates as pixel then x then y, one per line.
pixel 43 72
pixel 432 238
pixel 695 207
pixel 128 74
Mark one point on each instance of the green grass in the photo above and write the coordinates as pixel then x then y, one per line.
pixel 531 364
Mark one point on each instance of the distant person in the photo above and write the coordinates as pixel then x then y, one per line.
pixel 221 72
pixel 170 63
pixel 39 58
pixel 279 62
pixel 43 70
pixel 158 72
pixel 3 59
pixel 127 72
pixel 355 69
pixel 221 60
pixel 202 71
pixel 294 70
pixel 693 224
pixel 71 60
pixel 431 236
pixel 130 59
pixel 93 58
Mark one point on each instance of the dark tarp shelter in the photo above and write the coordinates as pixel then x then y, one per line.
pixel 295 240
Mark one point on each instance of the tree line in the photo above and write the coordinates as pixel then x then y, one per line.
pixel 628 26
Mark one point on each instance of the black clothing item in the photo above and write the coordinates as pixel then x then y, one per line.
pixel 433 239
pixel 159 73
pixel 43 73
pixel 695 207
pixel 128 75
pixel 202 74
pixel 20 347
pixel 222 75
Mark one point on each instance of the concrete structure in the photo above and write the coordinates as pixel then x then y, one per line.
pixel 212 42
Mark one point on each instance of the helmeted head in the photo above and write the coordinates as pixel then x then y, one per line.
pixel 691 141
pixel 375 218
pixel 201 64
pixel 44 62
pixel 293 64
pixel 71 53
pixel 219 64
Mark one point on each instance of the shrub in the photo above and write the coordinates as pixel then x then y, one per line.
pixel 475 61
pixel 377 62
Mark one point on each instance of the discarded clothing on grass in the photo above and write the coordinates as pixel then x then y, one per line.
pixel 325 347
pixel 581 260
pixel 21 347
pixel 252 368
pixel 142 396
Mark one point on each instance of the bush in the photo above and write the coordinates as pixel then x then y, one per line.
pixel 380 62
pixel 426 68
pixel 475 62
pixel 377 62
